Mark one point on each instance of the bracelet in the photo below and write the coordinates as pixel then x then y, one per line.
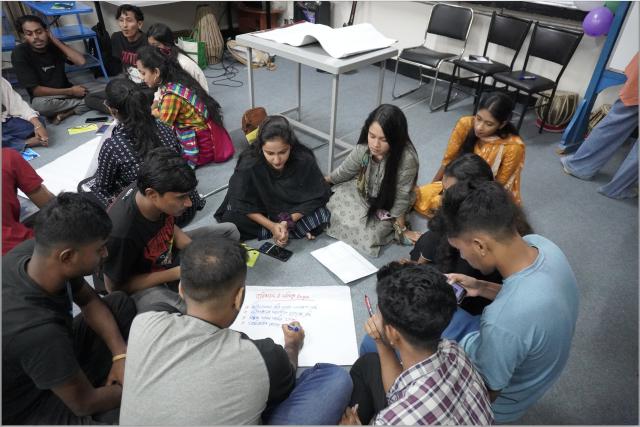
pixel 37 127
pixel 118 357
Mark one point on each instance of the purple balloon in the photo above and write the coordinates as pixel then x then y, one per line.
pixel 597 22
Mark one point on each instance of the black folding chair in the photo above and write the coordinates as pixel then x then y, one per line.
pixel 552 44
pixel 506 31
pixel 448 21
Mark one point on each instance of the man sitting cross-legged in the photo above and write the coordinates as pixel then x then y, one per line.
pixel 193 370
pixel 432 381
pixel 39 63
pixel 57 369
pixel 142 247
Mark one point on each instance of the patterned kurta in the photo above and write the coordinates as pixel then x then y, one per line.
pixel 349 206
pixel 504 155
pixel 176 110
pixel 119 165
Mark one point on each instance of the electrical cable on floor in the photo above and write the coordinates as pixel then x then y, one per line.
pixel 229 72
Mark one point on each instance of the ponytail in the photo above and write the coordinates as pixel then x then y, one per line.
pixel 134 112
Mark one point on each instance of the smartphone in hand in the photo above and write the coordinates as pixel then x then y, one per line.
pixel 275 251
pixel 459 290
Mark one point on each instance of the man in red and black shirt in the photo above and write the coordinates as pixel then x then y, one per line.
pixel 126 42
pixel 142 247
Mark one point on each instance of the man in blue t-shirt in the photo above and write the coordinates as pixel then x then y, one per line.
pixel 524 335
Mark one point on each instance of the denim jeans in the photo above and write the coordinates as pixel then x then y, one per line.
pixel 15 132
pixel 601 144
pixel 461 324
pixel 320 397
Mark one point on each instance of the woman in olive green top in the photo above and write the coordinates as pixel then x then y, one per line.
pixel 374 186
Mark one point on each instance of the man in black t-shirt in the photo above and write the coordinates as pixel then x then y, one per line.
pixel 57 369
pixel 126 42
pixel 142 247
pixel 39 63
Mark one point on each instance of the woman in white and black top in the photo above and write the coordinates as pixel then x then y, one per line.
pixel 161 36
pixel 136 133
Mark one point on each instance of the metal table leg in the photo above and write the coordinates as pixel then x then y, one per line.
pixel 381 81
pixel 332 125
pixel 299 84
pixel 252 102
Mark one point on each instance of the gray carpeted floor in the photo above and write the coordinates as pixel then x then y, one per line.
pixel 599 235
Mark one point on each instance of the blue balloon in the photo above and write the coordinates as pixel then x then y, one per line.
pixel 597 22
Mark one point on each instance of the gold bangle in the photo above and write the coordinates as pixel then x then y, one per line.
pixel 37 127
pixel 118 357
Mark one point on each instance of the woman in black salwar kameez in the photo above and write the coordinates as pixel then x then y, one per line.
pixel 277 189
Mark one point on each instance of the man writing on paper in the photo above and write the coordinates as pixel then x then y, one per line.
pixel 192 370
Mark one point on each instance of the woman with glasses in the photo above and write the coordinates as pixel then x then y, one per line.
pixel 134 136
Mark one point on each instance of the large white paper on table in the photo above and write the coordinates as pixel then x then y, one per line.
pixel 325 313
pixel 344 261
pixel 337 42
pixel 65 172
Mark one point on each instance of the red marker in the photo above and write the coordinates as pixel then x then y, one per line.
pixel 368 304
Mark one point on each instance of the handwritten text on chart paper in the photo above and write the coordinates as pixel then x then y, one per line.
pixel 275 308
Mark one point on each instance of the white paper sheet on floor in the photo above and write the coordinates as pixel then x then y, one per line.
pixel 325 313
pixel 344 261
pixel 65 172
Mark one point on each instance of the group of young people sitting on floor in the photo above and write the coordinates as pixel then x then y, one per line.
pixel 424 360
pixel 172 295
pixel 181 98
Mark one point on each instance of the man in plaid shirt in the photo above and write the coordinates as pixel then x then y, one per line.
pixel 433 381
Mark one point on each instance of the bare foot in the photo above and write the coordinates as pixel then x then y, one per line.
pixel 311 236
pixel 60 117
pixel 412 235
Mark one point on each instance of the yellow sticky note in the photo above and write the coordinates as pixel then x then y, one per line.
pixel 252 255
pixel 90 127
pixel 252 136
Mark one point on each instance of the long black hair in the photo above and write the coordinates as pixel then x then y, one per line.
pixel 275 127
pixel 133 107
pixel 501 107
pixel 164 35
pixel 394 125
pixel 171 72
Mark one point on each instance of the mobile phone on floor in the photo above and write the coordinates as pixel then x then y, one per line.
pixel 459 291
pixel 96 119
pixel 275 251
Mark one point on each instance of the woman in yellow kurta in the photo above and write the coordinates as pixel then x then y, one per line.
pixel 488 134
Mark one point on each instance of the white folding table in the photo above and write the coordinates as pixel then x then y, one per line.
pixel 314 56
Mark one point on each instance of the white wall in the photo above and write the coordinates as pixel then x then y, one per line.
pixel 407 21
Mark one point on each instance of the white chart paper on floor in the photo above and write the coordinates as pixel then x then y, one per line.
pixel 344 261
pixel 325 313
pixel 65 172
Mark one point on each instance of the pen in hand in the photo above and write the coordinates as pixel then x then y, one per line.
pixel 293 328
pixel 368 304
